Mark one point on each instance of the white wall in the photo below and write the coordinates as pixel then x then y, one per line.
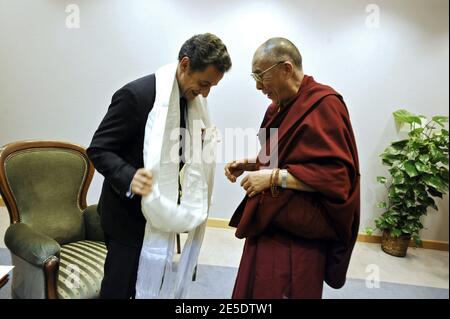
pixel 56 83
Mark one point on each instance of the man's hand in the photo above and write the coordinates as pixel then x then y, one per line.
pixel 256 182
pixel 235 169
pixel 142 182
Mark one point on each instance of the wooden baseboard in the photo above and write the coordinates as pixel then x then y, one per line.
pixel 218 223
pixel 428 244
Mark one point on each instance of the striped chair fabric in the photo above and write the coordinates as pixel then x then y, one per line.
pixel 81 269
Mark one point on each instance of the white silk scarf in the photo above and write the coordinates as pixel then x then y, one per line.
pixel 157 276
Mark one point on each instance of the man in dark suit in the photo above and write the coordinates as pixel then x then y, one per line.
pixel 117 153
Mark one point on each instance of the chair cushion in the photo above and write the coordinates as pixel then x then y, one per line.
pixel 81 269
pixel 46 184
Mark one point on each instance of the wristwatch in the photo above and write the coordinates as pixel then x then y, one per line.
pixel 284 174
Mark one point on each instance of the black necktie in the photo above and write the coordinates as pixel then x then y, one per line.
pixel 183 114
pixel 183 106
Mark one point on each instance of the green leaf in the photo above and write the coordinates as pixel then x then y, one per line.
pixel 390 159
pixel 417 240
pixel 428 201
pixel 412 155
pixel 393 156
pixel 394 213
pixel 433 192
pixel 399 178
pixel 436 182
pixel 416 132
pixel 396 232
pixel 435 152
pixel 424 158
pixel 410 203
pixel 368 231
pixel 444 174
pixel 399 145
pixel 421 194
pixel 387 162
pixel 440 119
pixel 403 116
pixel 405 230
pixel 410 169
pixel 382 205
pixel 392 150
pixel 399 189
pixel 421 167
pixel 381 179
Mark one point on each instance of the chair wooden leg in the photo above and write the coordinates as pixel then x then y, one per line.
pixel 194 275
pixel 51 270
pixel 178 244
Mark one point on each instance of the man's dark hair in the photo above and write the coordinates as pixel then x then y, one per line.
pixel 203 50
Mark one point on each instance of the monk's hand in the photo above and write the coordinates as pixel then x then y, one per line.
pixel 142 182
pixel 256 182
pixel 235 169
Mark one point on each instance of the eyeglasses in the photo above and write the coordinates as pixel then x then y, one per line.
pixel 258 77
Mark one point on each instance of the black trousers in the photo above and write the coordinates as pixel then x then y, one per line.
pixel 120 271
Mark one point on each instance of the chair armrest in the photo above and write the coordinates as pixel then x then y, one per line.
pixel 30 245
pixel 93 228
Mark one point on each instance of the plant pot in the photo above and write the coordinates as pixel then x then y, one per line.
pixel 395 246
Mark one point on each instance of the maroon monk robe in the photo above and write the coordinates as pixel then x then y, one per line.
pixel 299 239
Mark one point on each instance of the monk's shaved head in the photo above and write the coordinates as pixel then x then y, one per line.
pixel 279 49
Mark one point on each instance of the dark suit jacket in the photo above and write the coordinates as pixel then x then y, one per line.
pixel 117 152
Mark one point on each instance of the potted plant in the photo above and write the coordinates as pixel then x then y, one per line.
pixel 418 167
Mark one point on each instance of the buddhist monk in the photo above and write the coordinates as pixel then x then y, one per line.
pixel 300 215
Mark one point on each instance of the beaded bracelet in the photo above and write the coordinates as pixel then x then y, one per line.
pixel 273 182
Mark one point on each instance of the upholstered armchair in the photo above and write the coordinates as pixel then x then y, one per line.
pixel 56 242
